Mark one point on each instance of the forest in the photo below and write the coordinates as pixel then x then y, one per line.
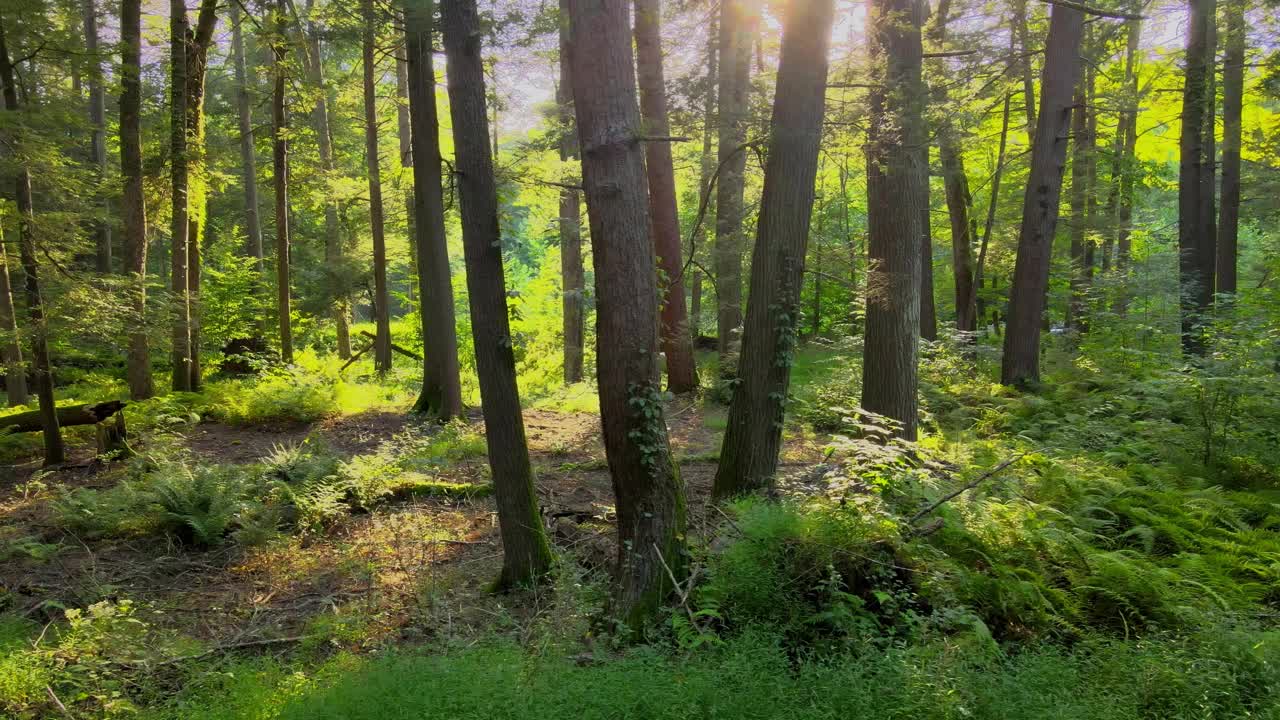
pixel 660 359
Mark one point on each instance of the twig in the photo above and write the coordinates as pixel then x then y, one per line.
pixel 233 646
pixel 58 702
pixel 1090 10
pixel 965 488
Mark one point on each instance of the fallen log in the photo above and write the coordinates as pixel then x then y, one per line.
pixel 395 347
pixel 87 414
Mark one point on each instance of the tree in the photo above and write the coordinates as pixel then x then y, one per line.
pixel 1021 362
pixel 1232 110
pixel 526 553
pixel 1081 190
pixel 198 43
pixel 753 437
pixel 896 188
pixel 248 157
pixel 54 452
pixel 647 488
pixel 98 121
pixel 134 205
pixel 1196 253
pixel 1127 161
pixel 677 344
pixel 280 179
pixel 573 280
pixel 381 298
pixel 15 370
pixel 441 395
pixel 179 229
pixel 738 27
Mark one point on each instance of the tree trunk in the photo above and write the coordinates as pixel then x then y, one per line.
pixel 896 187
pixel 197 62
pixel 280 179
pixel 15 370
pixel 753 436
pixel 1232 106
pixel 248 157
pixel 1195 246
pixel 647 487
pixel 738 26
pixel 69 415
pixel 320 119
pixel 526 553
pixel 138 370
pixel 1124 213
pixel 1019 29
pixel 1080 151
pixel 179 228
pixel 677 344
pixel 1021 362
pixel 441 395
pixel 381 299
pixel 98 121
pixel 573 279
pixel 54 452
pixel 707 165
pixel 996 176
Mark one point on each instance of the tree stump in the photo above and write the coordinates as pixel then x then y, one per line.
pixel 113 439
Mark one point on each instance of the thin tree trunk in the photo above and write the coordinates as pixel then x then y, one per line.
pixel 1195 278
pixel 706 169
pixel 647 487
pixel 381 299
pixel 896 187
pixel 179 228
pixel 996 176
pixel 441 395
pixel 1232 107
pixel 198 43
pixel 54 453
pixel 280 179
pixel 1021 362
pixel 138 370
pixel 526 553
pixel 1080 144
pixel 404 134
pixel 1019 29
pixel 15 370
pixel 1124 213
pixel 573 279
pixel 753 436
pixel 928 305
pixel 321 121
pixel 248 157
pixel 98 120
pixel 738 26
pixel 677 345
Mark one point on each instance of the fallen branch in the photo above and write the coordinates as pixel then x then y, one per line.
pixel 395 347
pixel 965 488
pixel 68 415
pixel 232 646
pixel 355 357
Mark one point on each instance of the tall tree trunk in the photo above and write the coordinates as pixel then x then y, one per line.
pixel 441 395
pixel 738 26
pixel 179 228
pixel 647 488
pixel 324 145
pixel 526 553
pixel 280 179
pixel 381 299
pixel 1019 29
pixel 677 345
pixel 198 43
pixel 996 176
pixel 54 452
pixel 248 157
pixel 138 370
pixel 1194 178
pixel 706 168
pixel 1021 362
pixel 1232 107
pixel 896 187
pixel 573 279
pixel 98 120
pixel 404 134
pixel 928 306
pixel 1124 212
pixel 1081 144
pixel 15 370
pixel 753 436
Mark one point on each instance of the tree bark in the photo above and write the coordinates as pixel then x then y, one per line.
pixel 248 157
pixel 381 299
pixel 15 370
pixel 1080 151
pixel 928 305
pixel 86 414
pixel 996 176
pixel 321 121
pixel 1021 362
pixel 1232 107
pixel 677 344
pixel 573 279
pixel 1128 170
pixel 738 27
pixel 1195 177
pixel 706 168
pixel 198 43
pixel 1019 29
pixel 647 487
pixel 896 188
pixel 753 436
pixel 54 453
pixel 179 228
pixel 141 385
pixel 280 179
pixel 526 553
pixel 98 121
pixel 441 395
